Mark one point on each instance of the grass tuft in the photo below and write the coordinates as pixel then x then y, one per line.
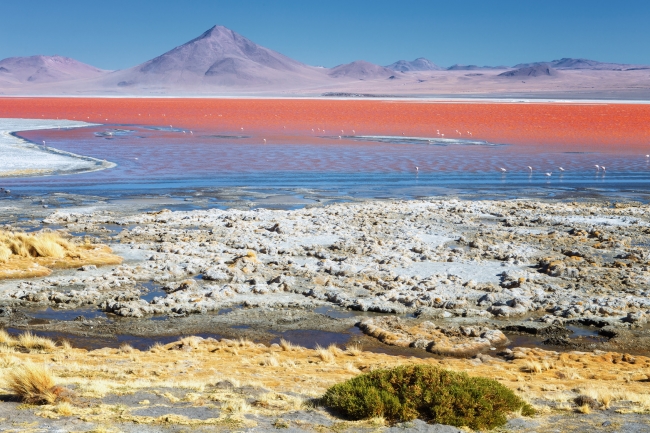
pixel 421 391
pixel 288 346
pixel 34 342
pixel 25 255
pixel 354 349
pixel 325 355
pixel 34 384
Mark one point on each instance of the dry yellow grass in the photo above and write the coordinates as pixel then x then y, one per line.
pixel 613 379
pixel 33 384
pixel 33 342
pixel 24 255
pixel 354 349
pixel 288 346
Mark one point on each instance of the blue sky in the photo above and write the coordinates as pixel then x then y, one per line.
pixel 119 34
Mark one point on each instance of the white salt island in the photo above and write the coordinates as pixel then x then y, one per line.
pixel 19 157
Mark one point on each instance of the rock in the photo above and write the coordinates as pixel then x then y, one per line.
pixel 463 341
pixel 584 400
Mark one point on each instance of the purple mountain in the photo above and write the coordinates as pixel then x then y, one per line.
pixel 361 70
pixel 45 69
pixel 219 57
pixel 419 64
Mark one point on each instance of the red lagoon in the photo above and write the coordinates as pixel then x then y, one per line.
pixel 597 126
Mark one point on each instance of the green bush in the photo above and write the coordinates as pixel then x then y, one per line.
pixel 429 393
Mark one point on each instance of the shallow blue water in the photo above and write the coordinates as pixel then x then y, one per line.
pixel 154 160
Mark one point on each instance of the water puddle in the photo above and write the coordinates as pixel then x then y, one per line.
pixel 65 315
pixel 312 338
pixel 153 290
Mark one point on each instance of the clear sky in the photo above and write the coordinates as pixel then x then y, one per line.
pixel 117 34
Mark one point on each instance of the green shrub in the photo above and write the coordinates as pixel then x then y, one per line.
pixel 429 393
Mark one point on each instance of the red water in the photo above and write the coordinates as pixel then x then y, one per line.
pixel 545 136
pixel 594 126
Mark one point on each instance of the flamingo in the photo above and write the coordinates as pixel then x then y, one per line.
pixel 503 170
pixel 647 156
pixel 603 167
pixel 530 168
pixel 265 141
pixel 353 131
pixel 597 167
pixel 549 174
pixel 560 168
pixel 417 168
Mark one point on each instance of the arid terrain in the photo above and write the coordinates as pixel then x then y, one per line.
pixel 445 281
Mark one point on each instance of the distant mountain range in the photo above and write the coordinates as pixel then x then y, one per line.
pixel 221 59
pixel 419 64
pixel 574 64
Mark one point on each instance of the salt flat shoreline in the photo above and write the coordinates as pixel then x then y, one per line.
pixel 516 266
pixel 21 158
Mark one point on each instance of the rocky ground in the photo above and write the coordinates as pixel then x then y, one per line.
pixel 425 278
pixel 516 266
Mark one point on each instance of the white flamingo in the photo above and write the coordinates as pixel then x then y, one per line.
pixel 597 167
pixel 549 174
pixel 560 168
pixel 503 170
pixel 530 168
pixel 265 141
pixel 603 167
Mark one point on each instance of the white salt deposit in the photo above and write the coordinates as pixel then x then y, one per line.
pixel 19 157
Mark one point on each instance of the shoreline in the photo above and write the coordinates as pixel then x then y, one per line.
pixel 22 158
pixel 432 99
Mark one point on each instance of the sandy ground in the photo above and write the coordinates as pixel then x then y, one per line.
pixel 485 83
pixel 20 158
